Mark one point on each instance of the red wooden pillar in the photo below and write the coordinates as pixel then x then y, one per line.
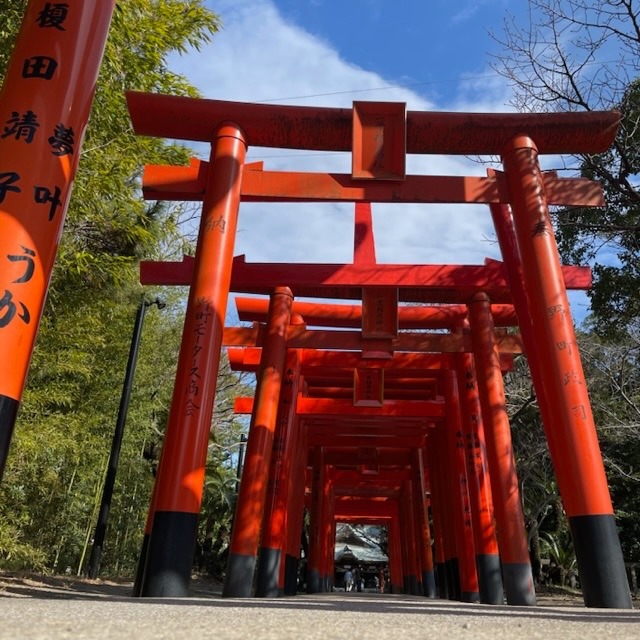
pixel 484 533
pixel 455 446
pixel 423 533
pixel 314 562
pixel 412 574
pixel 584 490
pixel 277 512
pixel 512 536
pixel 503 223
pixel 396 574
pixel 438 515
pixel 328 536
pixel 245 535
pixel 180 476
pixel 447 507
pixel 44 109
pixel 296 501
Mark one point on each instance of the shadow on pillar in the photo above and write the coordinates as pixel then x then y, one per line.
pixel 602 573
pixel 238 582
pixel 490 579
pixel 168 572
pixel 429 584
pixel 268 573
pixel 291 564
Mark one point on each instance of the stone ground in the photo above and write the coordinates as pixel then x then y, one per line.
pixel 35 607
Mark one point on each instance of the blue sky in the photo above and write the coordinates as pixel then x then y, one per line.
pixel 432 55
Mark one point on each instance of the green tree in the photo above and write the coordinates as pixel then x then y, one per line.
pixel 576 55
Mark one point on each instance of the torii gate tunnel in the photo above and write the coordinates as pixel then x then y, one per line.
pixel 397 415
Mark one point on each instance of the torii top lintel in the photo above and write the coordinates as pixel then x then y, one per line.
pixel 331 129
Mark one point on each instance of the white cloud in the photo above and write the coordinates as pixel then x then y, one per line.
pixel 259 57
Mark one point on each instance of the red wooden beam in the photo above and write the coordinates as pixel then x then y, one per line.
pixel 330 129
pixel 168 182
pixel 300 338
pixel 367 455
pixel 320 439
pixel 416 283
pixel 432 409
pixel 350 315
pixel 336 362
pixel 354 478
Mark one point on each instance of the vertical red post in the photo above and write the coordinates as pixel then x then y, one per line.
pixel 438 514
pixel 296 498
pixel 503 223
pixel 484 533
pixel 396 572
pixel 512 536
pixel 423 533
pixel 412 576
pixel 454 443
pixel 328 535
pixel 180 476
pixel 585 492
pixel 276 512
pixel 44 109
pixel 245 535
pixel 314 561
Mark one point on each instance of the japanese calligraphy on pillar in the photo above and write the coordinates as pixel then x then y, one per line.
pixel 195 372
pixel 44 109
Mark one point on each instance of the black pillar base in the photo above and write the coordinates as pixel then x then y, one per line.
pixel 8 415
pixel 600 563
pixel 429 584
pixel 470 596
pixel 453 579
pixel 518 584
pixel 268 573
pixel 442 580
pixel 238 582
pixel 290 575
pixel 170 554
pixel 490 579
pixel 313 581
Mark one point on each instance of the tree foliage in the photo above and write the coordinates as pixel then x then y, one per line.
pixel 55 472
pixel 576 55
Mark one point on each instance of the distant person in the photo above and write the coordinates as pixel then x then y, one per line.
pixel 357 578
pixel 381 580
pixel 348 580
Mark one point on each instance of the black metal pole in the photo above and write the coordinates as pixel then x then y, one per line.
pixel 243 439
pixel 110 478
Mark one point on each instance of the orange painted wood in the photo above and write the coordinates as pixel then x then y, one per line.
pixel 450 284
pixel 182 465
pixel 350 315
pixel 575 440
pixel 379 140
pixel 45 101
pixel 330 129
pixel 167 182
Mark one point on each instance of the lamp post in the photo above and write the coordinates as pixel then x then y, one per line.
pixel 110 478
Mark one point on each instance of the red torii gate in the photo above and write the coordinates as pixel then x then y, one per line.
pixel 311 361
pixel 378 136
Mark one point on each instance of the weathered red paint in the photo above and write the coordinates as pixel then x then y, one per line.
pixel 181 472
pixel 245 535
pixel 330 129
pixel 45 102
